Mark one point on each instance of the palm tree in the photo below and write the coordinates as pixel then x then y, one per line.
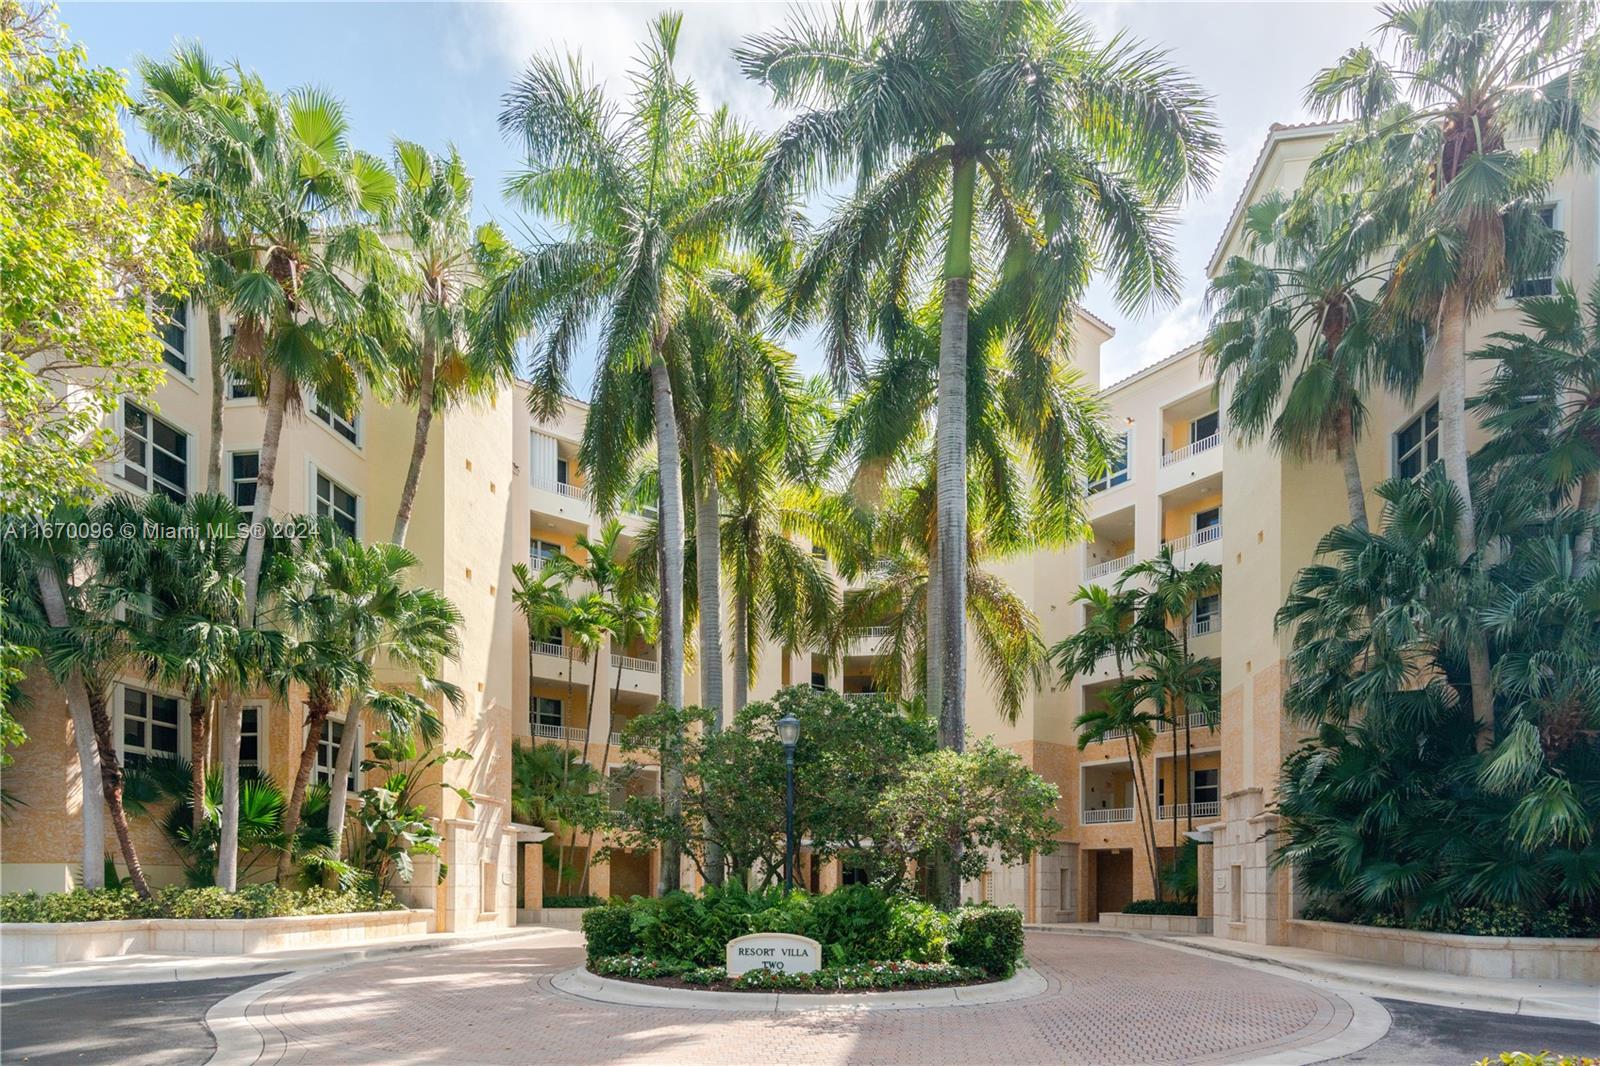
pixel 198 112
pixel 1119 715
pixel 1171 597
pixel 1297 337
pixel 1546 387
pixel 446 266
pixel 346 604
pixel 648 196
pixel 1178 685
pixel 961 122
pixel 1432 124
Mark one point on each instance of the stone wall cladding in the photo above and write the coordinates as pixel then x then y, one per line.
pixel 1177 924
pixel 1526 957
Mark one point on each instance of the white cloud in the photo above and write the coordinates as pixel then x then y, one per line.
pixel 1157 338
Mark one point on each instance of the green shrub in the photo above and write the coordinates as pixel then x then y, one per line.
pixel 1161 906
pixel 252 901
pixel 918 931
pixel 569 902
pixel 705 975
pixel 1543 1058
pixel 989 938
pixel 1497 920
pixel 608 931
pixel 636 966
pixel 852 925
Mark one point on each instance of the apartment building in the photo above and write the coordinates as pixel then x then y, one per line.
pixel 500 488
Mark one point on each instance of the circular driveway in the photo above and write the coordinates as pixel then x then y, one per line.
pixel 1107 1000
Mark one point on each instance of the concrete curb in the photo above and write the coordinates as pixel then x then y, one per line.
pixel 167 969
pixel 240 1043
pixel 1368 1024
pixel 579 982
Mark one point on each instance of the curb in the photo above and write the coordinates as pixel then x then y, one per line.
pixel 579 982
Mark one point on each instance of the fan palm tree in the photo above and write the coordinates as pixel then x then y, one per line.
pixel 1171 596
pixel 446 267
pixel 199 112
pixel 1297 338
pixel 989 137
pixel 1434 119
pixel 649 195
pixel 1546 386
pixel 346 600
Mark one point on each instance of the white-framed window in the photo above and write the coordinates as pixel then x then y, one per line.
pixel 1545 284
pixel 1416 446
pixel 172 323
pixel 546 712
pixel 1205 786
pixel 151 726
pixel 328 756
pixel 1209 518
pixel 1207 614
pixel 542 551
pixel 155 454
pixel 243 470
pixel 1117 472
pixel 1204 427
pixel 239 388
pixel 348 428
pixel 333 501
pixel 253 737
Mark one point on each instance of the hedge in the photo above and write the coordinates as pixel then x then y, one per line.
pixel 1502 920
pixel 989 938
pixel 252 901
pixel 856 976
pixel 1161 906
pixel 571 902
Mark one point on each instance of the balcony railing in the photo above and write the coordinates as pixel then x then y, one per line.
pixel 629 662
pixel 1204 444
pixel 1109 566
pixel 560 732
pixel 1106 815
pixel 1197 720
pixel 1208 535
pixel 559 651
pixel 1204 627
pixel 1169 811
pixel 564 488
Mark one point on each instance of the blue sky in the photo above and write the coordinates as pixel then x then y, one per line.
pixel 435 73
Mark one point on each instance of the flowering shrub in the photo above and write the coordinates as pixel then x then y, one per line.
pixel 636 966
pixel 252 901
pixel 864 976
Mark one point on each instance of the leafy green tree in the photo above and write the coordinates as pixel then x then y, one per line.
pixel 552 787
pixel 1297 335
pixel 993 139
pixel 446 266
pixel 649 196
pixel 88 240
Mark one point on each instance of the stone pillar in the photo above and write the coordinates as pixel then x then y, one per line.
pixel 1251 898
pixel 830 875
pixel 532 909
pixel 1205 890
pixel 600 880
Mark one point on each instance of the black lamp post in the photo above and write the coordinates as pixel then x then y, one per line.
pixel 789 734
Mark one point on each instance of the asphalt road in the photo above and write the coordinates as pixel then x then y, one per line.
pixel 130 1025
pixel 1423 1035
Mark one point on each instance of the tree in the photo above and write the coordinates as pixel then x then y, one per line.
pixel 1297 335
pixel 1173 593
pixel 347 603
pixel 986 138
pixel 88 241
pixel 1543 404
pixel 553 788
pixel 958 806
pixel 649 196
pixel 446 267
pixel 1178 685
pixel 391 821
pixel 195 110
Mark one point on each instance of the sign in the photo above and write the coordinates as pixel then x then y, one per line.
pixel 773 951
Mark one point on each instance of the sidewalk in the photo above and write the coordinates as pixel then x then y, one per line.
pixel 161 969
pixel 1542 999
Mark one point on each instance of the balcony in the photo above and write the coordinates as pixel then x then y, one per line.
pixel 1182 811
pixel 570 734
pixel 1195 720
pixel 1107 815
pixel 560 488
pixel 1095 571
pixel 1204 444
pixel 1206 626
pixel 629 662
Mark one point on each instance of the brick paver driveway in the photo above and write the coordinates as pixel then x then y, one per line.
pixel 1109 1000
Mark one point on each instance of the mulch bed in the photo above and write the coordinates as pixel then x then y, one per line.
pixel 728 986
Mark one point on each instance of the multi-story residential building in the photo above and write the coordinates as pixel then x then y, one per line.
pixel 499 488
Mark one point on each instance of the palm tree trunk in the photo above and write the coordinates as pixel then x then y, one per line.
pixel 1588 503
pixel 350 746
pixel 419 444
pixel 1138 809
pixel 320 708
pixel 741 647
pixel 708 581
pixel 266 481
pixel 214 445
pixel 933 645
pixel 94 827
pixel 1355 495
pixel 199 749
pixel 228 730
pixel 605 751
pixel 670 532
pixel 111 787
pixel 1452 348
pixel 605 765
pixel 1176 770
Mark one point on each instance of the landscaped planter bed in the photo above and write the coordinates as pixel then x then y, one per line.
pixel 1546 958
pixel 1181 924
pixel 858 978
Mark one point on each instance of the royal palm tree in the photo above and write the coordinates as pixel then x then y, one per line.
pixel 1435 118
pixel 985 138
pixel 446 266
pixel 1298 332
pixel 648 196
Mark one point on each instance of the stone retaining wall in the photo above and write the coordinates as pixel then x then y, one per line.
pixel 1544 958
pixel 1181 924
pixel 35 943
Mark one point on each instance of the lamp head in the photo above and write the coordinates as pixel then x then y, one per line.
pixel 789 731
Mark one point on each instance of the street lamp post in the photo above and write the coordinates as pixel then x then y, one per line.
pixel 789 734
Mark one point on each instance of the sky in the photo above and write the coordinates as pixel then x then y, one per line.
pixel 436 72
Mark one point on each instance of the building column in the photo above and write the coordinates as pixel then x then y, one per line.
pixel 532 909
